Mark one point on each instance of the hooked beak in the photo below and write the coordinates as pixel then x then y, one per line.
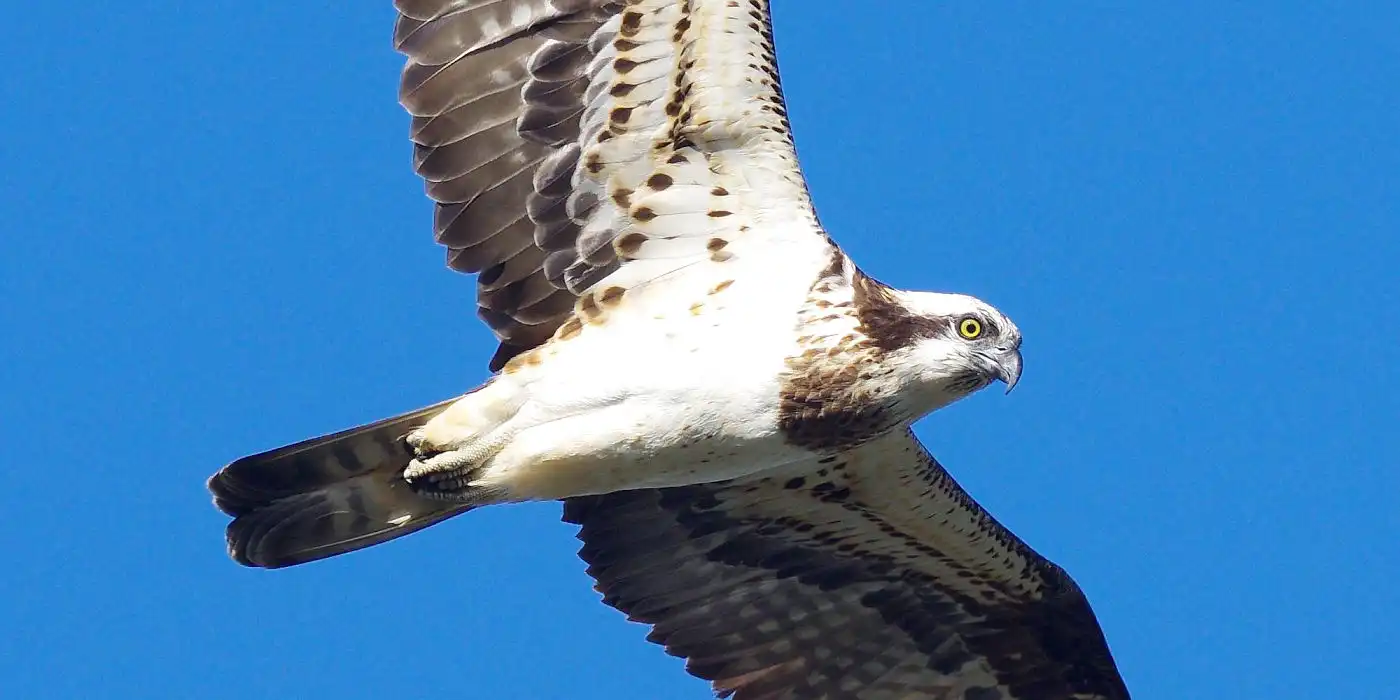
pixel 1007 367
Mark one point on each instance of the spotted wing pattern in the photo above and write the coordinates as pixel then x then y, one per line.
pixel 876 578
pixel 565 141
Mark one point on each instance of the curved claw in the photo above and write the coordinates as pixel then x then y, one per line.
pixel 450 474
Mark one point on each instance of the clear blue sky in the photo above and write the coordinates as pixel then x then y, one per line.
pixel 213 244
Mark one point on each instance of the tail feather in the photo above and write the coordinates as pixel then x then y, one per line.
pixel 327 495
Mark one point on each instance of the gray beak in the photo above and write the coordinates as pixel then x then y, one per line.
pixel 1008 367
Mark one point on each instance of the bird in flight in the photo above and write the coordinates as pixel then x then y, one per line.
pixel 721 398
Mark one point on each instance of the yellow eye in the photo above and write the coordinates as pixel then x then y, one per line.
pixel 970 328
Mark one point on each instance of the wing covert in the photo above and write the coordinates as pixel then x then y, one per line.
pixel 551 131
pixel 878 578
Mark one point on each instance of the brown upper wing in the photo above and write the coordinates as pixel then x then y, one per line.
pixel 874 577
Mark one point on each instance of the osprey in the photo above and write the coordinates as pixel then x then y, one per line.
pixel 721 398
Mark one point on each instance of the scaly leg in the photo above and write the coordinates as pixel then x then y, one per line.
pixel 453 447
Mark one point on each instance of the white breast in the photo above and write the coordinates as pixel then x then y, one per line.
pixel 678 383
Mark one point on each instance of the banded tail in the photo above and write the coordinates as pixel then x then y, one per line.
pixel 326 496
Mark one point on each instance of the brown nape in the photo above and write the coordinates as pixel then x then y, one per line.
pixel 888 324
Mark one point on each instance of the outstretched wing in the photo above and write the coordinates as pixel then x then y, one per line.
pixel 568 140
pixel 875 577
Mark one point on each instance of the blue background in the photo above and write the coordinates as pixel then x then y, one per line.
pixel 213 244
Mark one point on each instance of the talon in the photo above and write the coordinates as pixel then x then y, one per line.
pixel 446 477
pixel 415 439
pixel 438 466
pixel 451 451
pixel 450 474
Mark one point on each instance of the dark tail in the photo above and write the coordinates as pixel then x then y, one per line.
pixel 327 495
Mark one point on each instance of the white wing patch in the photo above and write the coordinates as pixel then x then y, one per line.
pixel 687 163
pixel 569 141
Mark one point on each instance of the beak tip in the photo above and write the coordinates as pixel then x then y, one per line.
pixel 1009 370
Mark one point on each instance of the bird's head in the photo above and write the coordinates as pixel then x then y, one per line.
pixel 944 346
